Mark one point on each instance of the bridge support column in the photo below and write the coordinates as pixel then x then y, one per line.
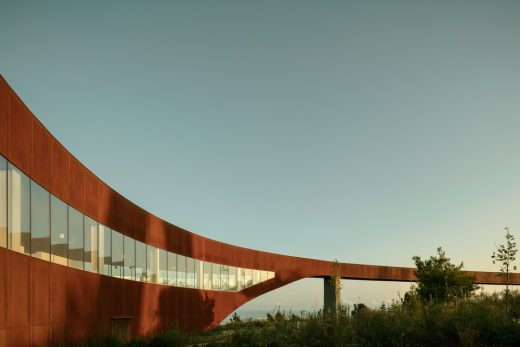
pixel 331 295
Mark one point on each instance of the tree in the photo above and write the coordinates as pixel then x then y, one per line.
pixel 333 291
pixel 440 280
pixel 505 255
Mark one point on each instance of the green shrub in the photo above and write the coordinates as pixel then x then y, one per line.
pixel 476 321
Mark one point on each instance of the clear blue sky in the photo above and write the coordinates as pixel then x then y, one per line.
pixel 366 131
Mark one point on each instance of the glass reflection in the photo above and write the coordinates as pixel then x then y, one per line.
pixel 190 272
pixel 90 257
pixel 59 232
pixel 163 267
pixel 248 277
pixel 215 277
pixel 33 221
pixel 207 269
pixel 75 239
pixel 19 206
pixel 40 222
pixel 140 263
pixel 181 271
pixel 3 202
pixel 117 254
pixel 129 256
pixel 151 264
pixel 105 250
pixel 232 282
pixel 172 269
pixel 224 277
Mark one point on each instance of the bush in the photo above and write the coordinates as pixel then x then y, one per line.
pixel 440 280
pixel 476 321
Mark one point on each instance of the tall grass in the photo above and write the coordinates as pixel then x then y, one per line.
pixel 477 321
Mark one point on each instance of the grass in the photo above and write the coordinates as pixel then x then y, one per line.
pixel 477 321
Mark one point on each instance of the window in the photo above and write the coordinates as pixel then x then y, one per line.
pixel 105 250
pixel 206 278
pixel 256 277
pixel 19 210
pixel 140 261
pixel 224 277
pixel 190 272
pixel 3 202
pixel 59 233
pixel 198 274
pixel 172 269
pixel 91 245
pixel 181 270
pixel 129 256
pixel 151 264
pixel 241 281
pixel 40 222
pixel 75 239
pixel 163 267
pixel 232 278
pixel 117 254
pixel 34 222
pixel 248 277
pixel 215 277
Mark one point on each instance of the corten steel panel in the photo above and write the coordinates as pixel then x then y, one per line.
pixel 58 294
pixel 137 294
pixel 76 331
pixel 164 239
pixel 151 233
pixel 41 335
pixel 104 298
pixel 91 293
pixel 3 337
pixel 19 293
pixel 20 134
pixel 174 237
pixel 196 245
pixel 77 184
pixel 91 195
pixel 41 155
pixel 40 292
pixel 120 209
pixel 59 334
pixel 105 205
pixel 4 281
pixel 148 308
pixel 164 307
pixel 131 296
pixel 4 117
pixel 60 173
pixel 139 224
pixel 183 243
pixel 121 304
pixel 76 295
pixel 210 250
pixel 19 336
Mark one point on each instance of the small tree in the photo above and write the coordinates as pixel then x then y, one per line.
pixel 440 280
pixel 335 277
pixel 505 255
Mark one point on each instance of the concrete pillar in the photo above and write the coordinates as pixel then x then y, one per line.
pixel 331 295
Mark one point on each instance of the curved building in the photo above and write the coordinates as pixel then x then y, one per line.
pixel 77 258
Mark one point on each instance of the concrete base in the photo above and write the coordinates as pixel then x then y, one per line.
pixel 331 295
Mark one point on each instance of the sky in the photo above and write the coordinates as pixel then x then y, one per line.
pixel 363 131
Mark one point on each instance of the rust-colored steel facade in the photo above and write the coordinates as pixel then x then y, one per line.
pixel 42 303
